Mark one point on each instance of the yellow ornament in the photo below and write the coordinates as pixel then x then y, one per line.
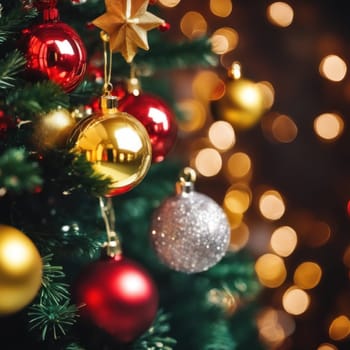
pixel 243 103
pixel 53 129
pixel 20 270
pixel 127 22
pixel 117 145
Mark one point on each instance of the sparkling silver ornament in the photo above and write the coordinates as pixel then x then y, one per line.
pixel 190 231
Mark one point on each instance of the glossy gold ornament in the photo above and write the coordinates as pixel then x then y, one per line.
pixel 20 270
pixel 242 104
pixel 53 129
pixel 117 145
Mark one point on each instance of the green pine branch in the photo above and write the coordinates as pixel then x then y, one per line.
pixel 10 66
pixel 15 20
pixel 34 99
pixel 157 335
pixel 166 55
pixel 52 315
pixel 17 173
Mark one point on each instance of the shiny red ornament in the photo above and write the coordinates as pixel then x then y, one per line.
pixel 118 296
pixel 54 51
pixel 156 117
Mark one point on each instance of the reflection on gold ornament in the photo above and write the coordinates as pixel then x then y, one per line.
pixel 20 270
pixel 53 129
pixel 242 104
pixel 117 145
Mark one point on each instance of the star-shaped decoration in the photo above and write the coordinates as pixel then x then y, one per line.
pixel 127 22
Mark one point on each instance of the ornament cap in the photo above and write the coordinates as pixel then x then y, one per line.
pixel 109 104
pixel 186 181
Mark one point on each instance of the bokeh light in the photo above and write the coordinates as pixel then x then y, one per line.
pixel 307 275
pixel 327 346
pixel 237 198
pixel 268 92
pixel 193 115
pixel 274 326
pixel 280 14
pixel 333 68
pixel 284 240
pixel 221 135
pixel 169 3
pixel 193 25
pixel 346 257
pixel 207 86
pixel 238 165
pixel 239 237
pixel 224 40
pixel 295 301
pixel 313 233
pixel 339 328
pixel 271 205
pixel 271 270
pixel 328 126
pixel 208 162
pixel 222 8
pixel 284 129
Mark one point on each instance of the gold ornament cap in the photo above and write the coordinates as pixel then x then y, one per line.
pixel 109 104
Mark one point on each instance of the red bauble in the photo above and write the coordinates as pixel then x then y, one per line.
pixel 6 123
pixel 54 51
pixel 119 297
pixel 156 117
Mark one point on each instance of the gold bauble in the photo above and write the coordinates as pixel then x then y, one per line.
pixel 242 105
pixel 53 129
pixel 117 145
pixel 20 270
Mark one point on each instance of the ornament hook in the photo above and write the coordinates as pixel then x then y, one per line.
pixel 186 181
pixel 113 245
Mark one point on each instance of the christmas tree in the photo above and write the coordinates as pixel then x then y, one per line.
pixel 97 250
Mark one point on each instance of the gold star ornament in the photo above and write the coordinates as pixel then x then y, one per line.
pixel 127 23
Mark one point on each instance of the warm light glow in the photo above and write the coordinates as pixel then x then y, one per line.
pixel 239 237
pixel 222 135
pixel 284 240
pixel 208 162
pixel 274 326
pixel 193 25
pixel 207 86
pixel 239 165
pixel 270 270
pixel 307 275
pixel 237 199
pixel 339 328
pixel 224 40
pixel 328 126
pixel 268 92
pixel 295 301
pixel 169 3
pixel 280 14
pixel 128 139
pixel 284 129
pixel 271 205
pixel 222 8
pixel 327 346
pixel 194 115
pixel 16 254
pixel 333 67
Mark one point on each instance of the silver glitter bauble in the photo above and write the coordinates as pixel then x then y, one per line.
pixel 190 232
